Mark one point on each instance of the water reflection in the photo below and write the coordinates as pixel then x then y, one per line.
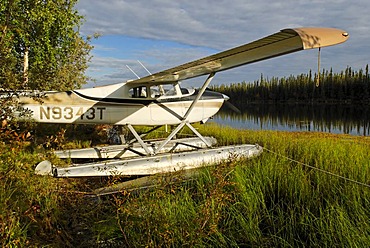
pixel 347 119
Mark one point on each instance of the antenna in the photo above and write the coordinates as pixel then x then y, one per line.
pixel 144 67
pixel 159 86
pixel 133 71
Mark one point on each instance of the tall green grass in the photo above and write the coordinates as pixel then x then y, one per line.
pixel 267 201
pixel 271 200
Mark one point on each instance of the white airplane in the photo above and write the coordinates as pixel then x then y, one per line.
pixel 158 99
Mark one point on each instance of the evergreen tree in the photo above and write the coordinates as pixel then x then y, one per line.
pixel 348 86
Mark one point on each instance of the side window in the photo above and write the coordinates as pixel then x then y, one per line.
pixel 138 92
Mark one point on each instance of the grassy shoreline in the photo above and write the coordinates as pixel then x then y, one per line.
pixel 265 201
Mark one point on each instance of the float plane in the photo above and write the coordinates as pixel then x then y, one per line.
pixel 158 99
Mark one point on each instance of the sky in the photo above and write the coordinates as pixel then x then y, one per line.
pixel 162 34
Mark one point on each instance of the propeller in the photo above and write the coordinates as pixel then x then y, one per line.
pixel 232 107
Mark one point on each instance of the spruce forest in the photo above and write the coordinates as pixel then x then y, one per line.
pixel 347 87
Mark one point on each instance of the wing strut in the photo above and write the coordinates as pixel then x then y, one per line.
pixel 200 93
pixel 184 122
pixel 139 139
pixel 184 119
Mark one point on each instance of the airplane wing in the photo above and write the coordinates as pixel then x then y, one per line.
pixel 284 42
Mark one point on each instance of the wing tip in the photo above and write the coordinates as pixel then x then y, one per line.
pixel 315 37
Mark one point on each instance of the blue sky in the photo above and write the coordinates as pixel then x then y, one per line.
pixel 164 33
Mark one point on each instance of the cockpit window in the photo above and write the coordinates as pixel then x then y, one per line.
pixel 170 92
pixel 156 91
pixel 187 91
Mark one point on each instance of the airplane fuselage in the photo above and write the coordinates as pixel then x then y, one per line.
pixel 120 106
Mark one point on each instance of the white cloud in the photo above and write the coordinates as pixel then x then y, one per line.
pixel 204 25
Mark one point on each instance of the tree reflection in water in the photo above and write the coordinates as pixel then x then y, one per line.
pixel 332 118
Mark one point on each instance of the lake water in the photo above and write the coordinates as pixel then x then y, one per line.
pixel 334 118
